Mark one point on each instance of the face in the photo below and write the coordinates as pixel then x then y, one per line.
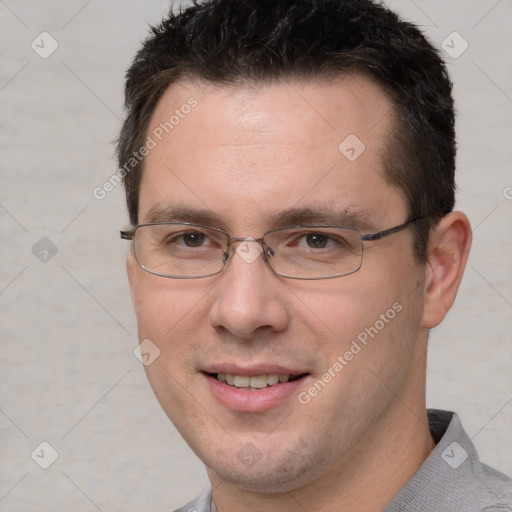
pixel 248 160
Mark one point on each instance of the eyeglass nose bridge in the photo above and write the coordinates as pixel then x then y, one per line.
pixel 265 249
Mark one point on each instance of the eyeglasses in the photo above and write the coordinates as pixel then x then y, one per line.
pixel 191 251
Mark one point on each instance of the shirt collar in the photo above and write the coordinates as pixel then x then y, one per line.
pixel 447 476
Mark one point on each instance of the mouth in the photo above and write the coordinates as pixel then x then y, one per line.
pixel 255 382
pixel 255 393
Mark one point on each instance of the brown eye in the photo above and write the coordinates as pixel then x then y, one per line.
pixel 193 239
pixel 317 240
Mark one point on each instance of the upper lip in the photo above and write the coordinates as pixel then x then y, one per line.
pixel 252 370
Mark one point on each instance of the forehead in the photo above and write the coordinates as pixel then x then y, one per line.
pixel 244 151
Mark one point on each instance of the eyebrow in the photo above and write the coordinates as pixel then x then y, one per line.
pixel 182 213
pixel 322 216
pixel 289 217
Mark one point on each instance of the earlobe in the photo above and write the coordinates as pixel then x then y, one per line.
pixel 449 250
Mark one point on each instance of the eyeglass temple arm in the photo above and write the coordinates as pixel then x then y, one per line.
pixel 390 231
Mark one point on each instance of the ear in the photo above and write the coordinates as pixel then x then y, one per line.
pixel 133 276
pixel 449 250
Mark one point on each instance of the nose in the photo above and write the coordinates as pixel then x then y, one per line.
pixel 249 298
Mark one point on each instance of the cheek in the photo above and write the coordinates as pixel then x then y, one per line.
pixel 167 316
pixel 153 303
pixel 379 312
pixel 345 307
pixel 168 313
pixel 372 341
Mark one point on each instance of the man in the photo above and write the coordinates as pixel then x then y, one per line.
pixel 289 171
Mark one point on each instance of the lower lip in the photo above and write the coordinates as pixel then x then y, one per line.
pixel 245 400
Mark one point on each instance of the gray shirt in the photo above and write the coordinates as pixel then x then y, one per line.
pixel 452 479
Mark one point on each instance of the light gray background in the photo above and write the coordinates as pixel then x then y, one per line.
pixel 68 373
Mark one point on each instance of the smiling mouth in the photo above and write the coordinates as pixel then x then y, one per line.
pixel 257 382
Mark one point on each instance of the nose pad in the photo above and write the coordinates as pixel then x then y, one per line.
pixel 249 249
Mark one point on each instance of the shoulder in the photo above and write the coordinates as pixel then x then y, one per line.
pixel 495 488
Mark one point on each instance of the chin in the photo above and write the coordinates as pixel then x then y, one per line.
pixel 277 473
pixel 262 482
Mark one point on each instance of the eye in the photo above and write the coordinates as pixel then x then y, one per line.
pixel 317 240
pixel 193 239
pixel 312 241
pixel 190 239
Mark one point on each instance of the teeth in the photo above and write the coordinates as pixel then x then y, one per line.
pixel 256 382
pixel 272 379
pixel 242 381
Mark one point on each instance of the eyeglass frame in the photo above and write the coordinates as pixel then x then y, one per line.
pixel 369 237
